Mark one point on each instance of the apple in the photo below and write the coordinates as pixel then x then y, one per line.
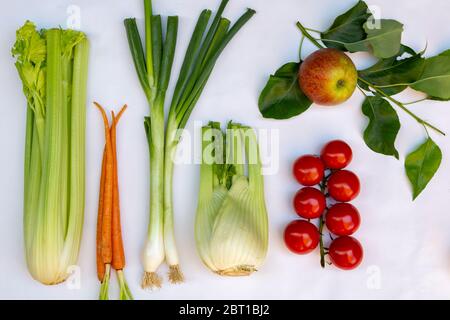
pixel 328 77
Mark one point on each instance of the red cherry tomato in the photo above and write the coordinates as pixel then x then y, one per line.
pixel 301 236
pixel 342 219
pixel 343 185
pixel 346 253
pixel 309 203
pixel 308 170
pixel 336 154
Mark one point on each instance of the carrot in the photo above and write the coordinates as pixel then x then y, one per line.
pixel 100 264
pixel 110 252
pixel 106 230
pixel 119 115
pixel 118 258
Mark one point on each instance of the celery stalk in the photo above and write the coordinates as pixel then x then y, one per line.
pixel 32 184
pixel 49 237
pixel 66 69
pixel 77 154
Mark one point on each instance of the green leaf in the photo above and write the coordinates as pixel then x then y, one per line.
pixel 437 99
pixel 282 98
pixel 393 71
pixel 137 52
pixel 30 44
pixel 388 62
pixel 435 78
pixel 383 42
pixel 383 126
pixel 69 39
pixel 288 70
pixel 30 51
pixel 348 27
pixel 422 164
pixel 446 53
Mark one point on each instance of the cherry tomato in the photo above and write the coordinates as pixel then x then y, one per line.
pixel 343 185
pixel 342 219
pixel 309 203
pixel 346 253
pixel 308 170
pixel 336 154
pixel 301 236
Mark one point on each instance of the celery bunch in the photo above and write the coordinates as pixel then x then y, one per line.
pixel 52 65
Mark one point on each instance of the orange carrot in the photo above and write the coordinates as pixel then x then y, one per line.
pixel 100 264
pixel 106 230
pixel 119 115
pixel 118 259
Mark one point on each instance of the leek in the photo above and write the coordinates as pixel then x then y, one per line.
pixel 231 225
pixel 52 65
pixel 153 66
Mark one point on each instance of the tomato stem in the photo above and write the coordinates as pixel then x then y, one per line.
pixel 322 249
pixel 323 188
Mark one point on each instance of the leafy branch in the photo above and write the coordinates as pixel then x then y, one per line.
pixel 376 88
pixel 403 107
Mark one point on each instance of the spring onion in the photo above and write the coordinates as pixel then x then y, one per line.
pixel 52 65
pixel 231 225
pixel 153 66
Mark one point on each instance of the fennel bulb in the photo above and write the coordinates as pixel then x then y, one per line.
pixel 231 225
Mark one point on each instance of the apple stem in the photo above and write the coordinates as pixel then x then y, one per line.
pixel 300 48
pixel 307 35
pixel 313 30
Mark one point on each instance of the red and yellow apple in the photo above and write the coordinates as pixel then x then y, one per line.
pixel 328 77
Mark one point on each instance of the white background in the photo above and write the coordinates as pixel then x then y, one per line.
pixel 407 244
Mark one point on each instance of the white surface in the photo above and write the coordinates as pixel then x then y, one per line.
pixel 407 244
